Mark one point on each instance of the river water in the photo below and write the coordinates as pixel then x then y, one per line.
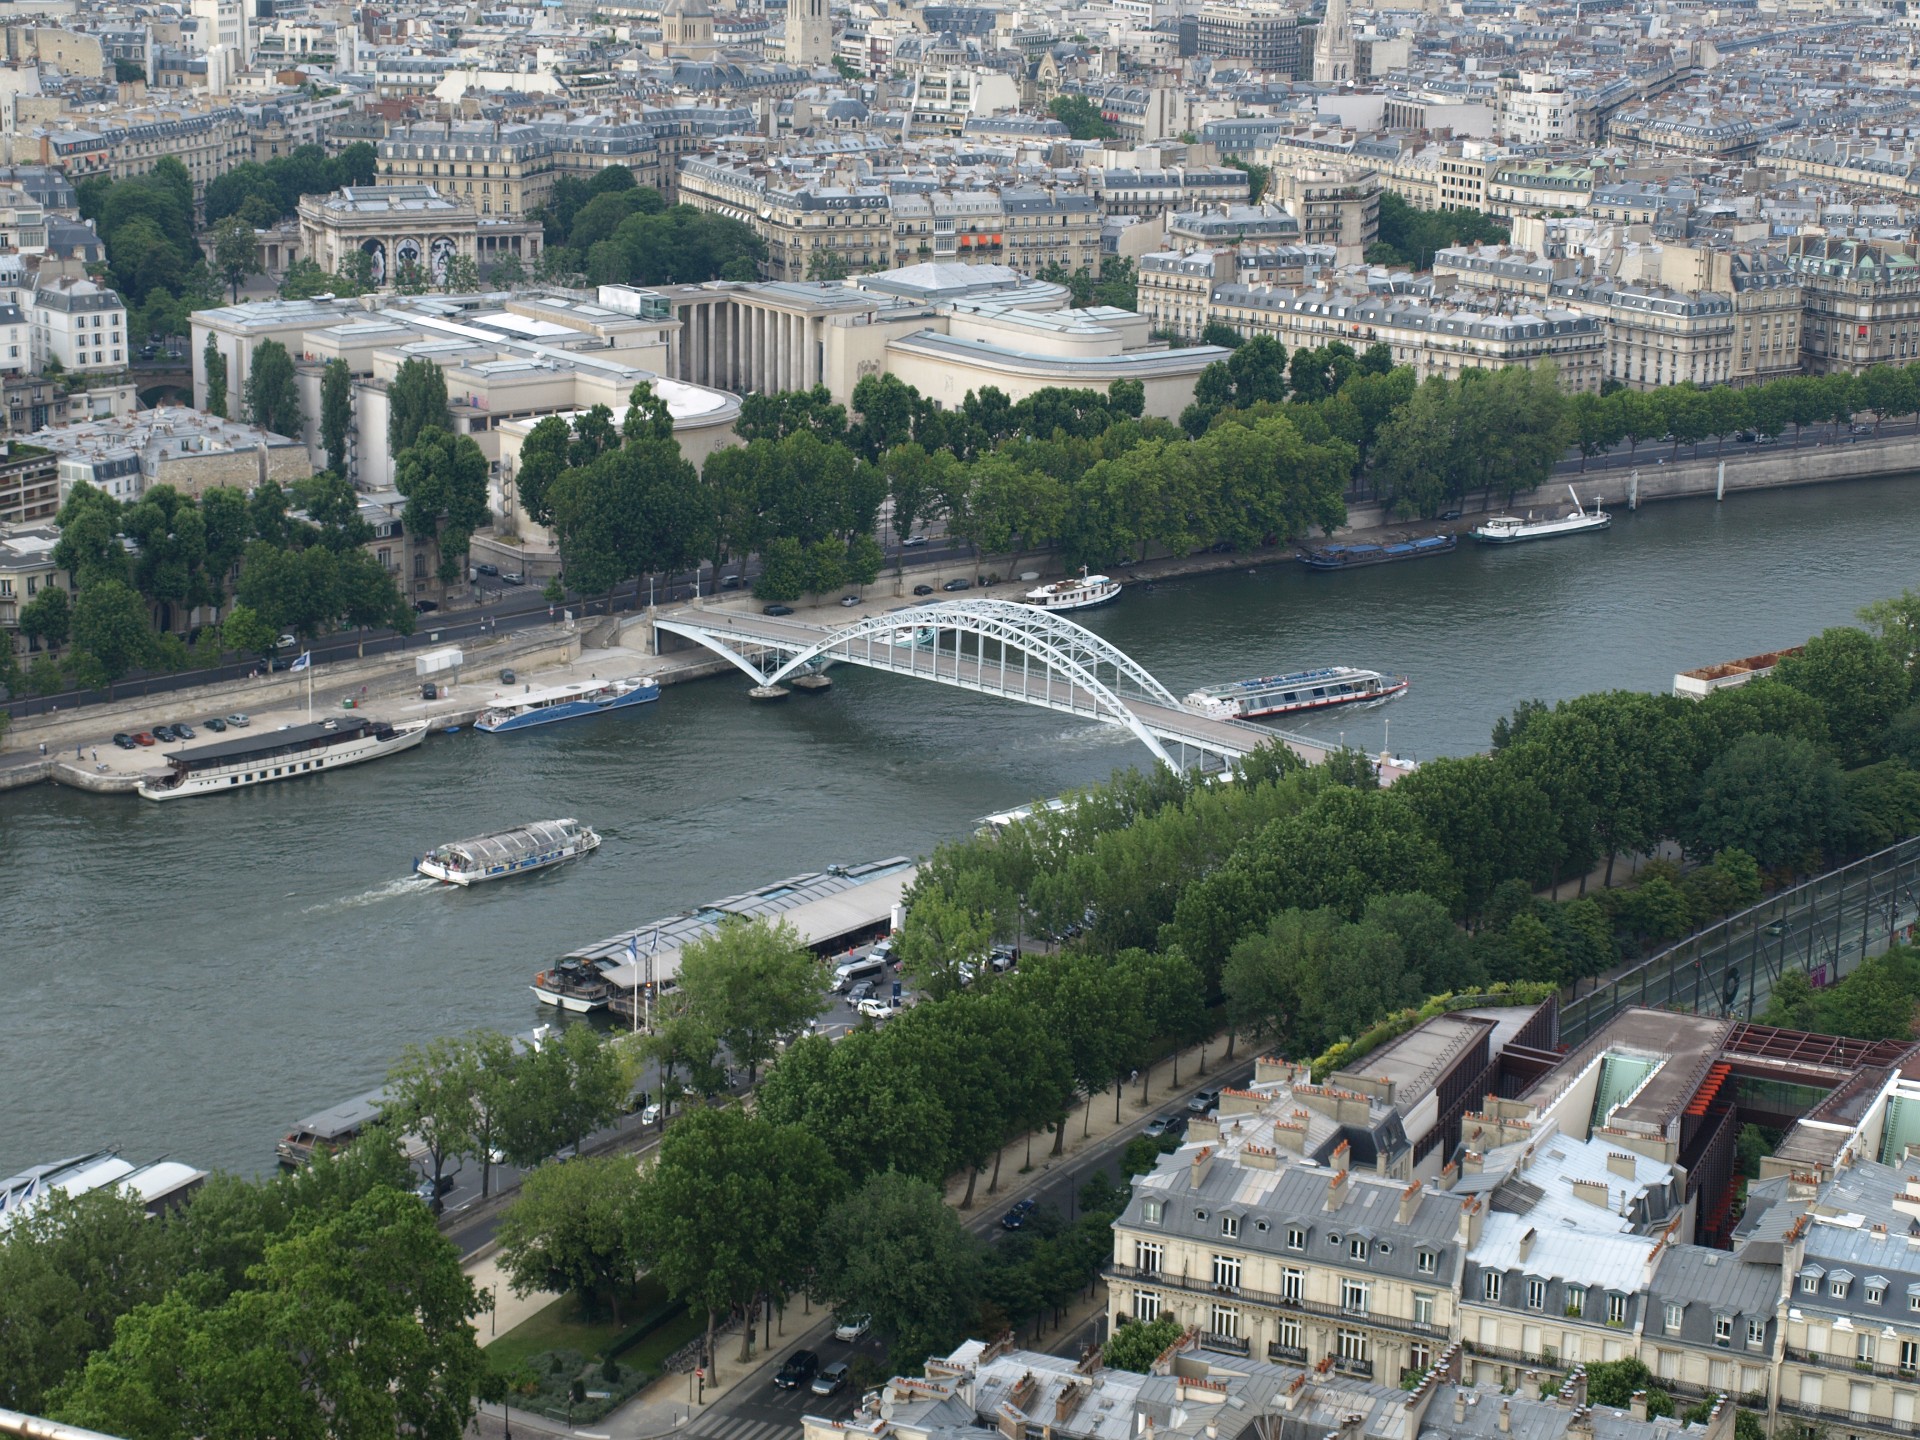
pixel 189 979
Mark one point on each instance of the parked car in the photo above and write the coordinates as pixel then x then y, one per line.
pixel 163 733
pixel 776 609
pixel 183 731
pixel 923 589
pixel 513 577
pixel 214 723
pixel 486 569
pixel 124 741
pixel 852 1328
pixel 1017 1216
pixel 958 585
pixel 279 662
pixel 914 542
pixel 877 1007
pixel 733 582
pixel 1003 958
pixel 239 722
pixel 831 1379
pixel 863 991
pixel 847 602
pixel 429 691
pixel 650 1113
pixel 799 1370
pixel 421 607
pixel 143 738
pixel 1203 1101
pixel 1166 1125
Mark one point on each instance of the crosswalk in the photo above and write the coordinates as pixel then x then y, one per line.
pixel 756 1424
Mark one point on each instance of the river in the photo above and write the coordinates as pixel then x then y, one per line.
pixel 188 979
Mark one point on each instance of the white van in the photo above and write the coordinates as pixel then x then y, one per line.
pixel 851 972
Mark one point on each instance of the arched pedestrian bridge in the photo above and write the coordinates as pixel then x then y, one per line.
pixel 993 647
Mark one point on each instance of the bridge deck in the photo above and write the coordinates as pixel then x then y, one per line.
pixel 1003 676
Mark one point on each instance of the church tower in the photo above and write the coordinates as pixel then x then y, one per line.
pixel 1333 47
pixel 809 34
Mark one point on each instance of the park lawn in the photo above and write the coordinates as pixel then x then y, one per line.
pixel 651 1353
pixel 559 1326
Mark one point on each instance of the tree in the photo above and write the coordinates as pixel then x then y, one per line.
pixel 1897 622
pixel 273 399
pixel 111 629
pixel 827 264
pixel 1775 797
pixel 752 985
pixel 1257 176
pixel 247 632
pixel 215 366
pixel 336 413
pixel 509 272
pixel 576 1227
pixel 430 1097
pixel 235 255
pixel 416 401
pixel 896 1251
pixel 71 1266
pixel 461 276
pixel 1082 119
pixel 48 617
pixel 444 479
pixel 937 938
pixel 1858 681
pixel 731 1209
pixel 356 1325
pixel 1135 1347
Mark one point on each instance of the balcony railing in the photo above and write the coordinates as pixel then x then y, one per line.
pixel 1852 1417
pixel 1348 1365
pixel 1169 1281
pixel 1225 1344
pixel 1286 1354
pixel 1851 1365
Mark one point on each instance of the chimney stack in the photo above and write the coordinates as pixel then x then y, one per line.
pixel 1409 1203
pixel 1637 1406
pixel 1459 1406
pixel 1337 1191
pixel 1506 1417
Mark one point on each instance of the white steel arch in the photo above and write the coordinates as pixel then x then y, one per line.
pixel 1082 674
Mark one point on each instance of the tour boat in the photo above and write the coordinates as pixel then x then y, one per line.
pixel 1304 690
pixel 508 852
pixel 1511 529
pixel 284 754
pixel 1081 592
pixel 577 985
pixel 564 702
pixel 1352 557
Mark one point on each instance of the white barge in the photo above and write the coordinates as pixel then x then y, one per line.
pixel 285 754
pixel 1325 689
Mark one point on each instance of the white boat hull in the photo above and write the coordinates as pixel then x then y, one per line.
pixel 225 779
pixel 577 1004
pixel 1543 530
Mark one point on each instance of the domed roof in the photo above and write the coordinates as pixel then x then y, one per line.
pixel 686 10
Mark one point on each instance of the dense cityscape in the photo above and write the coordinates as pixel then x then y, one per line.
pixel 913 419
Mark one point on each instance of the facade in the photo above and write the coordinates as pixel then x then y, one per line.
pixel 29 484
pixel 395 226
pixel 26 570
pixel 1265 36
pixel 1538 187
pixel 80 324
pixel 509 169
pixel 187 449
pixel 208 139
pixel 1432 336
pixel 1861 301
pixel 809 34
pixel 1175 290
pixel 1658 336
pixel 1334 61
pixel 1336 207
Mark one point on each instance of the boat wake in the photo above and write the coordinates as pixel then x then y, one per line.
pixel 406 885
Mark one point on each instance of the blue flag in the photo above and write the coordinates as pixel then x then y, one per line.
pixel 304 662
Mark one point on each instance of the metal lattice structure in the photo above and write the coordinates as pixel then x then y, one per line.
pixel 992 647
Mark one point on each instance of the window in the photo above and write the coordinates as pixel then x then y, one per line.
pixel 1147 1255
pixel 1225 1321
pixel 1723 1329
pixel 1674 1316
pixel 1837 1288
pixel 1876 1294
pixel 1756 1334
pixel 1426 1262
pixel 1810 1285
pixel 1230 1226
pixel 1357 1248
pixel 1226 1272
pixel 1353 1296
pixel 1616 1309
pixel 1490 1285
pixel 1290 1332
pixel 1292 1284
pixel 1146 1305
pixel 1909 1354
pixel 1150 1212
pixel 1864 1348
pixel 1297 1240
pixel 1354 1345
pixel 1536 1294
pixel 1576 1300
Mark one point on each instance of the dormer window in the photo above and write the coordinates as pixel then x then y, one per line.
pixel 1230 1226
pixel 1357 1248
pixel 1426 1262
pixel 1837 1288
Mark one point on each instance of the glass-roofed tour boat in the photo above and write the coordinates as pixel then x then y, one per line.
pixel 508 852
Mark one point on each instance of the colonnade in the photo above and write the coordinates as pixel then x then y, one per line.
pixel 729 345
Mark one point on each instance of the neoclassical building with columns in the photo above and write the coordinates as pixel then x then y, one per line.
pixel 393 225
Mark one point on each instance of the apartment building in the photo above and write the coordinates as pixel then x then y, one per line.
pixel 1860 301
pixel 26 570
pixel 1767 303
pixel 1659 336
pixel 79 323
pixel 1176 290
pixel 1434 337
pixel 1335 206
pixel 1265 36
pixel 1498 269
pixel 509 169
pixel 209 141
pixel 29 484
pixel 1538 187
